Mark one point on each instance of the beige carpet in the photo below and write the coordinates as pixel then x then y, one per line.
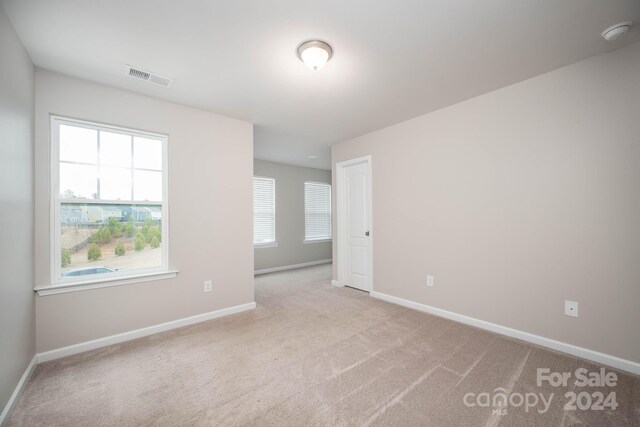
pixel 310 354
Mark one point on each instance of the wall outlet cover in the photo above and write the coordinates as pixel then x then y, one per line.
pixel 430 281
pixel 571 308
pixel 208 285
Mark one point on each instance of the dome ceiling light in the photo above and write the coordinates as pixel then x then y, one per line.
pixel 617 31
pixel 314 53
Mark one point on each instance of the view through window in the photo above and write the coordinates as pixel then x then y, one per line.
pixel 109 204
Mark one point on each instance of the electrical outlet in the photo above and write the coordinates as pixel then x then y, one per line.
pixel 208 285
pixel 430 281
pixel 571 308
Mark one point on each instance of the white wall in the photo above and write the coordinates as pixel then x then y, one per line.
pixel 210 204
pixel 291 248
pixel 517 200
pixel 17 332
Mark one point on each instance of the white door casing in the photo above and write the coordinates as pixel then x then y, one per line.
pixel 355 239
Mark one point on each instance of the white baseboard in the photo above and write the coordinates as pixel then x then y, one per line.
pixel 336 283
pixel 138 333
pixel 292 266
pixel 18 390
pixel 594 356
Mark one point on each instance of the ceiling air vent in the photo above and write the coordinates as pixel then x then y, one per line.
pixel 147 76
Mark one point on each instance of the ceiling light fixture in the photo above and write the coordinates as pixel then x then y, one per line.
pixel 314 53
pixel 617 31
pixel 312 157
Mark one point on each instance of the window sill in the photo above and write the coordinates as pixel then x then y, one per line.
pixel 317 240
pixel 62 288
pixel 265 245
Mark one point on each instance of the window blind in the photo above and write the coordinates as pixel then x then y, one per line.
pixel 264 210
pixel 317 211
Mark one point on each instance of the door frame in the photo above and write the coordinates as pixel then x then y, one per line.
pixel 342 218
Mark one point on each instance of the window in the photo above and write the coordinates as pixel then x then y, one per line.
pixel 264 211
pixel 317 211
pixel 109 202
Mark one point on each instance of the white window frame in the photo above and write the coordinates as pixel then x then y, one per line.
pixel 274 243
pixel 318 239
pixel 118 277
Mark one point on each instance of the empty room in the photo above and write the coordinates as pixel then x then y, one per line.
pixel 362 213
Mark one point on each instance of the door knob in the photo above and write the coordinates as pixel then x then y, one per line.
pixel 366 233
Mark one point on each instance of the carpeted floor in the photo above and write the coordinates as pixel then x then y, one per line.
pixel 313 354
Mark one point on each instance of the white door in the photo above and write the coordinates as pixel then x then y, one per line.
pixel 358 234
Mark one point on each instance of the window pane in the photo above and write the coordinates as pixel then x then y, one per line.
pixel 147 153
pixel 78 181
pixel 317 210
pixel 115 183
pixel 264 210
pixel 99 238
pixel 115 149
pixel 78 144
pixel 147 185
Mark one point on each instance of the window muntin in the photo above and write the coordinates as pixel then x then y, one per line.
pixel 264 211
pixel 109 201
pixel 317 211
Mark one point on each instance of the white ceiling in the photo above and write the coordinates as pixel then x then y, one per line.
pixel 393 60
